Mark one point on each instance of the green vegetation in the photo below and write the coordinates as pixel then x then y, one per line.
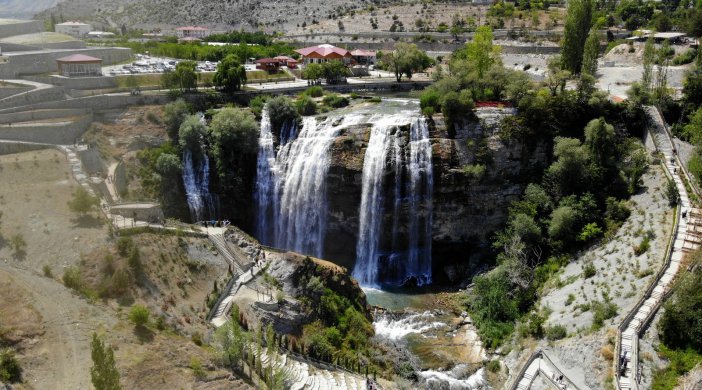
pixel 82 201
pixel 204 52
pixel 577 26
pixel 556 332
pixel 305 105
pixel 103 373
pixel 10 370
pixel 230 74
pixel 335 101
pixel 405 60
pixel 139 315
pixel 182 80
pixel 680 362
pixel 314 91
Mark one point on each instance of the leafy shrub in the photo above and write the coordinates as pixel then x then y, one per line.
pixel 197 368
pixel 256 104
pixel 589 232
pixel 681 323
pixel 589 270
pixel 139 315
pixel 124 245
pixel 533 326
pixel 10 370
pixel 306 106
pixel 556 332
pixel 315 91
pixel 474 172
pixel 494 366
pixel 643 247
pixel 73 279
pixel 602 311
pixel 46 269
pixel 336 101
pixel 375 99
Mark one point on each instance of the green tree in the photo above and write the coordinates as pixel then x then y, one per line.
pixel 577 25
pixel 183 79
pixel 173 115
pixel 281 109
pixel 406 59
pixel 139 315
pixel 312 72
pixel 681 323
pixel 230 74
pixel 599 139
pixel 335 71
pixel 234 134
pixel 192 133
pixel 103 373
pixel 693 130
pixel 481 53
pixel 649 58
pixel 590 53
pixel 82 201
pixel 232 340
pixel 660 90
pixel 168 166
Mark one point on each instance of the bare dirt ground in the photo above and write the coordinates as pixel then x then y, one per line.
pixel 50 326
pixel 36 188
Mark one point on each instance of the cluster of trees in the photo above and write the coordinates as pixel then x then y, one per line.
pixel 230 139
pixel 257 37
pixel 230 76
pixel 204 52
pixel 332 72
pixel 405 60
pixel 681 323
pixel 341 332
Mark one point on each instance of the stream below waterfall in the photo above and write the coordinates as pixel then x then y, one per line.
pixel 447 347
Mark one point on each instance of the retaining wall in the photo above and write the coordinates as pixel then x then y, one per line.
pixel 61 134
pixel 442 47
pixel 11 147
pixel 38 115
pixel 84 82
pixel 21 27
pixel 33 96
pixel 94 102
pixel 7 92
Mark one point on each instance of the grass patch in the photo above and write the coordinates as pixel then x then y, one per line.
pixel 681 362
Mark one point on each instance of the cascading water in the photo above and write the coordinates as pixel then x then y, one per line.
pixel 265 180
pixel 409 255
pixel 397 185
pixel 291 190
pixel 196 179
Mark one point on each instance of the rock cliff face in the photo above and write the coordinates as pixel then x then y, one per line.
pixel 476 177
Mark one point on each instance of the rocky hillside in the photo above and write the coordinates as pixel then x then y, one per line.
pixel 220 14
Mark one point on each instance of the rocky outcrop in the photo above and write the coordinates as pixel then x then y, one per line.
pixel 477 174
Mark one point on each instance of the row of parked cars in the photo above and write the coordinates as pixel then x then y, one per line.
pixel 145 65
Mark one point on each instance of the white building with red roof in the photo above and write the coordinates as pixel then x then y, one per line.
pixel 197 32
pixel 323 53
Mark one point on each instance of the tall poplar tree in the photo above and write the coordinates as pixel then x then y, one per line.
pixel 577 25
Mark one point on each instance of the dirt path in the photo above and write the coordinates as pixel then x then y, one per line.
pixel 60 359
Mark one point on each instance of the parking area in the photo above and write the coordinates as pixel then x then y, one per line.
pixel 148 64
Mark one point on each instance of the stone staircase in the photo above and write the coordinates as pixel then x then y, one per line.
pixel 540 364
pixel 686 238
pixel 301 374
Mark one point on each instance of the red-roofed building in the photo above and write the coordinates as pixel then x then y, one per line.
pixel 323 53
pixel 363 57
pixel 287 61
pixel 77 65
pixel 192 32
pixel 270 65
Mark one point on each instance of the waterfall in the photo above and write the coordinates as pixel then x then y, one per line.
pixel 421 188
pixel 291 194
pixel 265 181
pixel 196 179
pixel 302 167
pixel 408 256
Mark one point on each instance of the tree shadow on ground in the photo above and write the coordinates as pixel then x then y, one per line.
pixel 144 334
pixel 86 221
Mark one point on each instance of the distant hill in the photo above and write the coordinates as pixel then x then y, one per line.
pixel 275 15
pixel 23 9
